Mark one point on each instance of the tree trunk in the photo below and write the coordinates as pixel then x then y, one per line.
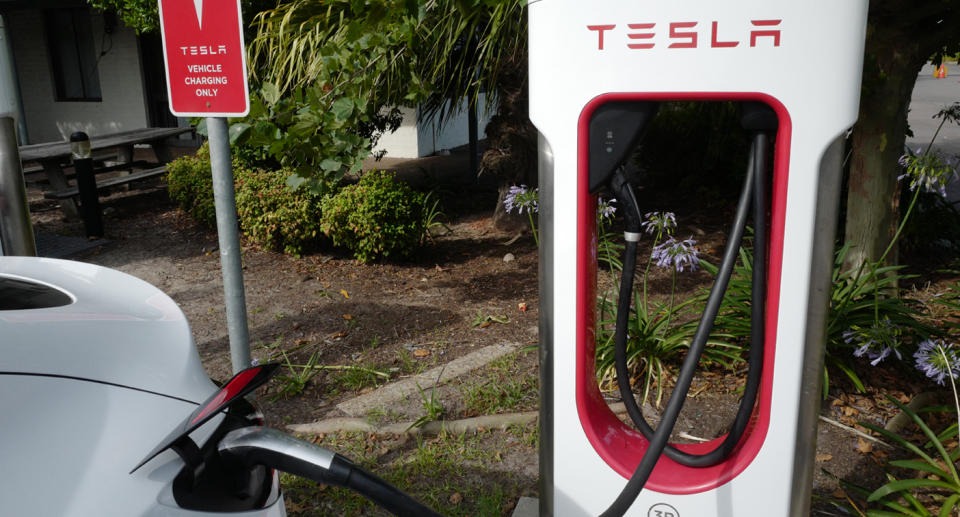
pixel 511 153
pixel 893 60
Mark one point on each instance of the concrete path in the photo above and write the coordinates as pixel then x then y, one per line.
pixel 411 386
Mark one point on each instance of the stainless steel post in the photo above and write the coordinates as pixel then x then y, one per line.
pixel 16 230
pixel 230 265
pixel 11 102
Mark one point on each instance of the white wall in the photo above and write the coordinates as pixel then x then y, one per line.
pixel 402 143
pixel 417 137
pixel 432 137
pixel 122 106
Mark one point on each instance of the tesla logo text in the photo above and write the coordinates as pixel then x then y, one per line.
pixel 687 34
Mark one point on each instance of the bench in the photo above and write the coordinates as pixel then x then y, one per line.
pixel 35 174
pixel 111 182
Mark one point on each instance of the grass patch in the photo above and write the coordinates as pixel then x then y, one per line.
pixel 505 386
pixel 364 375
pixel 450 473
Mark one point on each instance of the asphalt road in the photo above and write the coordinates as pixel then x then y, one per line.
pixel 930 95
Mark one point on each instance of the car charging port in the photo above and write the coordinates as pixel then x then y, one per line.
pixel 210 483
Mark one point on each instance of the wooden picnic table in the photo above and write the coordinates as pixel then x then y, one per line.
pixel 51 155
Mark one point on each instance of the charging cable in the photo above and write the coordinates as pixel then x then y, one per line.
pixel 752 193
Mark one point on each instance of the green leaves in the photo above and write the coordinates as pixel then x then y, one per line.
pixel 868 297
pixel 315 134
pixel 342 108
pixel 378 217
pixel 937 472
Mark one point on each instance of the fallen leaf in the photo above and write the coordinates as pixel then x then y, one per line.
pixel 456 498
pixel 348 317
pixel 344 293
pixel 824 457
pixel 864 446
pixel 421 352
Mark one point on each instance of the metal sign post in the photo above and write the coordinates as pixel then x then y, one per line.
pixel 16 230
pixel 207 77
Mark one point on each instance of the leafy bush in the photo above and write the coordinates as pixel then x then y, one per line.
pixel 314 133
pixel 269 212
pixel 868 317
pixel 932 483
pixel 275 216
pixel 191 185
pixel 657 333
pixel 378 217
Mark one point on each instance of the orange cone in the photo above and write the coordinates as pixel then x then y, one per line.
pixel 941 73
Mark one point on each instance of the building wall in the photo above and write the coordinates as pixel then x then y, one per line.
pixel 434 137
pixel 418 136
pixel 122 106
pixel 402 143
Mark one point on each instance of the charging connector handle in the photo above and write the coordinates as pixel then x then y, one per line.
pixel 278 450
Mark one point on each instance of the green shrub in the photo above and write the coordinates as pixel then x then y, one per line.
pixel 191 185
pixel 378 217
pixel 274 216
pixel 269 213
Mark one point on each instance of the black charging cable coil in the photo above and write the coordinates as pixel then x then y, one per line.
pixel 753 193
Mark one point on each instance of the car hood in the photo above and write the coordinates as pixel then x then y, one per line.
pixel 102 325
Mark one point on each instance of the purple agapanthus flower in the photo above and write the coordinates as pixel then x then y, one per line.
pixel 937 359
pixel 680 255
pixel 930 171
pixel 661 223
pixel 605 208
pixel 521 198
pixel 876 342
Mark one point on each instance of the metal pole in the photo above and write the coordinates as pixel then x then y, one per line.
pixel 16 230
pixel 474 146
pixel 230 265
pixel 86 184
pixel 11 102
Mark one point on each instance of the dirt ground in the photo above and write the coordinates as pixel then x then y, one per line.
pixel 365 325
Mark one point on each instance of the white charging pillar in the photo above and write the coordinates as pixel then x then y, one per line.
pixel 804 60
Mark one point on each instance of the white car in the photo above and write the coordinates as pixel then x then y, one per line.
pixel 96 368
pixel 108 411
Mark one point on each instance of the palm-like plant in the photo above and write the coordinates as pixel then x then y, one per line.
pixel 432 54
pixel 434 51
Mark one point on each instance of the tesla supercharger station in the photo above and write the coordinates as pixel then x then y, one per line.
pixel 801 59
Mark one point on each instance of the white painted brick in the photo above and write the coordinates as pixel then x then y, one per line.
pixel 122 106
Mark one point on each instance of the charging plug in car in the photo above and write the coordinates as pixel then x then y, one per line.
pixel 250 446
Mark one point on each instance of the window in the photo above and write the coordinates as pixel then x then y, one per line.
pixel 72 58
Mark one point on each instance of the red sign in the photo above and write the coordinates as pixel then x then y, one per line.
pixel 205 58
